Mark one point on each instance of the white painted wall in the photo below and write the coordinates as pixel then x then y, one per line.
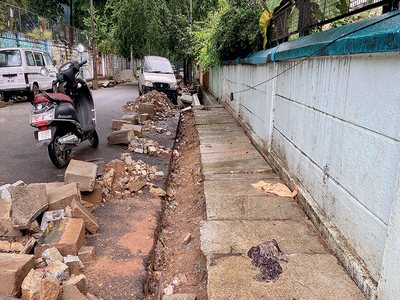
pixel 334 122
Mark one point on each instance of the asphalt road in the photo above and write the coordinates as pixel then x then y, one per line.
pixel 21 159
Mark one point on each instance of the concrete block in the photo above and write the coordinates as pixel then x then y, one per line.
pixel 86 254
pixel 137 129
pixel 59 270
pixel 117 124
pixel 82 172
pixel 136 183
pixel 52 255
pixel 50 288
pixel 71 292
pixel 79 281
pixel 80 212
pixel 28 202
pixel 146 108
pixel 143 117
pixel 63 195
pixel 130 118
pixel 31 280
pixel 13 270
pixel 73 263
pixel 95 197
pixel 49 216
pixel 120 137
pixel 67 235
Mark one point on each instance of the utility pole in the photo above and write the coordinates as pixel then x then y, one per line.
pixel 95 86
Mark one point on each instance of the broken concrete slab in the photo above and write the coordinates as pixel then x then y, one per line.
pixel 6 226
pixel 147 108
pixel 28 202
pixel 86 254
pixel 13 270
pixel 120 137
pixel 59 270
pixel 71 292
pixel 82 172
pixel 136 183
pixel 63 195
pixel 4 193
pixel 49 216
pixel 325 280
pixel 67 235
pixel 51 186
pixel 80 212
pixel 137 129
pixel 31 280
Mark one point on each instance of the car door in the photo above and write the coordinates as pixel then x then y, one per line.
pixel 52 69
pixel 42 80
pixel 31 69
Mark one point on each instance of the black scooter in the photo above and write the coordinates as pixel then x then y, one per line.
pixel 64 120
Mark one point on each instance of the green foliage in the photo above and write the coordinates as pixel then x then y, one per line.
pixel 228 33
pixel 52 9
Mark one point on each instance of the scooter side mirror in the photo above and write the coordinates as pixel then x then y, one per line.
pixel 44 72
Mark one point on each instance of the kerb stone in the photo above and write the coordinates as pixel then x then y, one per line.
pixel 137 129
pixel 63 196
pixel 82 172
pixel 120 137
pixel 13 270
pixel 67 235
pixel 86 254
pixel 78 281
pixel 81 212
pixel 28 202
pixel 71 292
pixel 146 108
pixel 130 118
pixel 117 124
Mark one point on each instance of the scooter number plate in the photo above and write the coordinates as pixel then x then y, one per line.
pixel 44 135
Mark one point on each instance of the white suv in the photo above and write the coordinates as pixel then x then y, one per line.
pixel 157 74
pixel 20 72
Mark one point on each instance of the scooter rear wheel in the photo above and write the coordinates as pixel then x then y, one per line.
pixel 59 158
pixel 94 140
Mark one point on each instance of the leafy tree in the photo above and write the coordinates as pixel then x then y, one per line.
pixel 52 9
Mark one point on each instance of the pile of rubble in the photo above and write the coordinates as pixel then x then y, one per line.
pixel 125 177
pixel 125 76
pixel 163 106
pixel 42 233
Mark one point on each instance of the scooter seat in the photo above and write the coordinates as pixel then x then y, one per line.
pixel 39 98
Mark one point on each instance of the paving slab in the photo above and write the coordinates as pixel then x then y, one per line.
pixel 234 187
pixel 293 236
pixel 213 120
pixel 232 156
pixel 231 138
pixel 305 276
pixel 219 128
pixel 253 208
pixel 226 148
pixel 240 165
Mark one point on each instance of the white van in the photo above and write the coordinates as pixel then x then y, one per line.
pixel 20 72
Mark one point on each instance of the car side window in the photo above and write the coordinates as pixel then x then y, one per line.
pixel 48 59
pixel 39 59
pixel 30 61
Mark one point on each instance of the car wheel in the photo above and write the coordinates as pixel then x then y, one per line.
pixel 7 97
pixel 34 92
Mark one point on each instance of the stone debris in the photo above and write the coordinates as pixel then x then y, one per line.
pixel 80 212
pixel 180 297
pixel 149 147
pixel 28 202
pixel 52 255
pixel 74 264
pixel 59 270
pixel 13 270
pixel 82 172
pixel 71 292
pixel 78 281
pixel 49 216
pixel 125 76
pixel 86 254
pixel 6 226
pixel 120 137
pixel 33 278
pixel 50 288
pixel 62 196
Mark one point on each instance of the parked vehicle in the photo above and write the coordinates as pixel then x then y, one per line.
pixel 64 120
pixel 20 72
pixel 157 74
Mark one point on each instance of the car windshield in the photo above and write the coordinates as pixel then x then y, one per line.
pixel 155 65
pixel 10 58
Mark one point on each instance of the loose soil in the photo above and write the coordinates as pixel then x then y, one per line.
pixel 174 258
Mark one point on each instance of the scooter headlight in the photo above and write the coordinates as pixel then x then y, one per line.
pixel 41 119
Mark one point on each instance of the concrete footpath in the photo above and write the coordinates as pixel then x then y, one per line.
pixel 240 216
